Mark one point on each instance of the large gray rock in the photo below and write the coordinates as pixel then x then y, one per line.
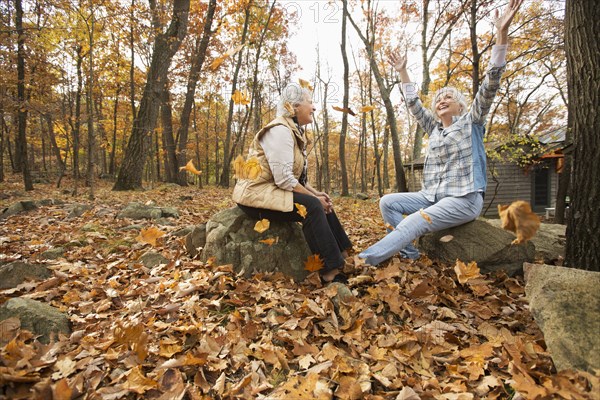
pixel 195 240
pixel 565 303
pixel 17 272
pixel 478 241
pixel 231 239
pixel 18 207
pixel 39 318
pixel 136 210
pixel 549 241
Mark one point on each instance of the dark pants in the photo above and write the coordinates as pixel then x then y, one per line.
pixel 323 232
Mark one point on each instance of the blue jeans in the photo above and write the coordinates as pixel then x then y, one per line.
pixel 444 213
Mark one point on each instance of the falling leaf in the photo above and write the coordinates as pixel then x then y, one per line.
pixel 190 168
pixel 365 109
pixel 446 239
pixel 289 108
pixel 219 60
pixel 313 263
pixel 250 169
pixel 305 84
pixel 262 225
pixel 301 209
pixel 466 272
pixel 344 110
pixel 519 218
pixel 150 235
pixel 427 217
pixel 241 98
pixel 270 241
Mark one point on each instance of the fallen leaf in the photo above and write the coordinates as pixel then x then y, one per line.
pixel 137 382
pixel 301 209
pixel 150 235
pixel 262 225
pixel 466 272
pixel 446 239
pixel 190 168
pixel 270 241
pixel 313 263
pixel 61 390
pixel 427 217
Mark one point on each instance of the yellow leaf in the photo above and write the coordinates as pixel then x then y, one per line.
pixel 301 210
pixel 137 382
pixel 365 109
pixel 219 60
pixel 270 241
pixel 190 168
pixel 238 167
pixel 240 98
pixel 519 218
pixel 150 235
pixel 252 169
pixel 313 263
pixel 427 217
pixel 262 225
pixel 305 84
pixel 466 272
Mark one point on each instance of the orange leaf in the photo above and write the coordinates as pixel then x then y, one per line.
pixel 301 210
pixel 519 218
pixel 219 60
pixel 365 109
pixel 313 263
pixel 427 217
pixel 344 110
pixel 270 241
pixel 240 98
pixel 466 272
pixel 250 169
pixel 190 168
pixel 150 235
pixel 61 390
pixel 262 225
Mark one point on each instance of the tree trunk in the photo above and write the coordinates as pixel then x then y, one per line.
pixel 132 23
pixel 90 110
pixel 113 148
pixel 184 121
pixel 165 46
pixel 343 132
pixel 168 141
pixel 21 142
pixel 77 123
pixel 582 24
pixel 224 181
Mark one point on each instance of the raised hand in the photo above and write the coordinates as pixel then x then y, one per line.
pixel 397 61
pixel 502 22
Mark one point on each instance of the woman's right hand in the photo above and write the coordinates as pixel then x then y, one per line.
pixel 326 203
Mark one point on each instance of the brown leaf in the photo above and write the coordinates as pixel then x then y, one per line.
pixel 150 235
pixel 427 217
pixel 137 382
pixel 313 263
pixel 519 218
pixel 61 390
pixel 466 272
pixel 344 110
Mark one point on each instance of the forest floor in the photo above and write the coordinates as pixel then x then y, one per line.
pixel 195 330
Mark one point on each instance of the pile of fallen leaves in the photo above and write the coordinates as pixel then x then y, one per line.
pixel 187 329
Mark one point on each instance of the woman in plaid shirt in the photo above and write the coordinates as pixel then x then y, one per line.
pixel 454 177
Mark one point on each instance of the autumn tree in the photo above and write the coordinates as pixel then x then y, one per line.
pixel 582 24
pixel 165 46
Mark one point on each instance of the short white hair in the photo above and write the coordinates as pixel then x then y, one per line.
pixel 293 94
pixel 456 95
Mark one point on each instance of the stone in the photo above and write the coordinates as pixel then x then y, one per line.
pixel 362 196
pixel 152 259
pixel 565 303
pixel 77 210
pixel 17 272
pixel 186 230
pixel 549 241
pixel 16 208
pixel 137 210
pixel 231 239
pixel 478 241
pixel 39 318
pixel 52 254
pixel 195 240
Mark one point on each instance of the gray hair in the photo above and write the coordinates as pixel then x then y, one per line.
pixel 456 95
pixel 293 94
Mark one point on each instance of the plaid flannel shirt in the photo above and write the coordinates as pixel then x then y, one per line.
pixel 455 164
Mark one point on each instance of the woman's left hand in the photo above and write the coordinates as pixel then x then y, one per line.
pixel 502 22
pixel 326 201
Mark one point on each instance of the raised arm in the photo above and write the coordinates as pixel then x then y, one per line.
pixel 487 91
pixel 423 115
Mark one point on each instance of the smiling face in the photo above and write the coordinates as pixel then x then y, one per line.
pixel 305 111
pixel 448 103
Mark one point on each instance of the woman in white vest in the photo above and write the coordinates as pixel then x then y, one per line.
pixel 280 148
